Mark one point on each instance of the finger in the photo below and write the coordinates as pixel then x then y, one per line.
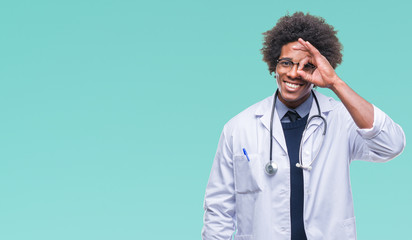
pixel 299 46
pixel 303 62
pixel 303 43
pixel 312 49
pixel 305 76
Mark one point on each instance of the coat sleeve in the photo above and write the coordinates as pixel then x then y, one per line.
pixel 219 203
pixel 381 143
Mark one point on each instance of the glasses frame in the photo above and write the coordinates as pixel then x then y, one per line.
pixel 308 66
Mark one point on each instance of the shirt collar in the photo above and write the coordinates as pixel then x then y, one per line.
pixel 303 109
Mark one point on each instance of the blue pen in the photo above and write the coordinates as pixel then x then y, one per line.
pixel 244 151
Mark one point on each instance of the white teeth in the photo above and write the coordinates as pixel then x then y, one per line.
pixel 292 85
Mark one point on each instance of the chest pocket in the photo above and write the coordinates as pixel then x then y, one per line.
pixel 246 174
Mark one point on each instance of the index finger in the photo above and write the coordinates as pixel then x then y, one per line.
pixel 300 47
pixel 309 47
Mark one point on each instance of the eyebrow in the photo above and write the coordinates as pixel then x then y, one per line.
pixel 286 58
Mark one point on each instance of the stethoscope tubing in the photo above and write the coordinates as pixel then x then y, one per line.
pixel 300 164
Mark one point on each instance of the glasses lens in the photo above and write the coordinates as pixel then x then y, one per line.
pixel 286 64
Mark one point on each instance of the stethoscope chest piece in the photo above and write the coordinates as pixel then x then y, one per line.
pixel 271 168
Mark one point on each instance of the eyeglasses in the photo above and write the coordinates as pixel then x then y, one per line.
pixel 287 65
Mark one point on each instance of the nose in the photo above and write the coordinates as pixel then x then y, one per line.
pixel 293 72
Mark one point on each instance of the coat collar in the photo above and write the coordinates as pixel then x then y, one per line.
pixel 264 112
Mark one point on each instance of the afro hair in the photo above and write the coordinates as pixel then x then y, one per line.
pixel 308 27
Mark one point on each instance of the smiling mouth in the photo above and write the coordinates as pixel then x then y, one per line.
pixel 293 85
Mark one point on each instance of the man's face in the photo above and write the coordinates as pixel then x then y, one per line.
pixel 293 89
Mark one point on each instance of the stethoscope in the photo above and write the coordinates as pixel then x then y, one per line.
pixel 271 167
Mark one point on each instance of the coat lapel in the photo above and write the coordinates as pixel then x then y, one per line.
pixel 264 112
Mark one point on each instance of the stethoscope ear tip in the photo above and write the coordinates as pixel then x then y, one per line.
pixel 303 167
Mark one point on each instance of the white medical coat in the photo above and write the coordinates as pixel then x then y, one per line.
pixel 241 197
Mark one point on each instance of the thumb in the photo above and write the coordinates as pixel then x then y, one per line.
pixel 304 75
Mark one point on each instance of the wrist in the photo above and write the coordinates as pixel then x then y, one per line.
pixel 337 85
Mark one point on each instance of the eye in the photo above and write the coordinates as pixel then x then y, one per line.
pixel 309 66
pixel 285 63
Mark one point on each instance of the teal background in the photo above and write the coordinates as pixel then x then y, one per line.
pixel 111 110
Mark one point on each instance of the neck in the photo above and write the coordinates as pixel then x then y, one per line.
pixel 293 104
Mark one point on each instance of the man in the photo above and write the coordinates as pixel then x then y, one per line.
pixel 295 183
